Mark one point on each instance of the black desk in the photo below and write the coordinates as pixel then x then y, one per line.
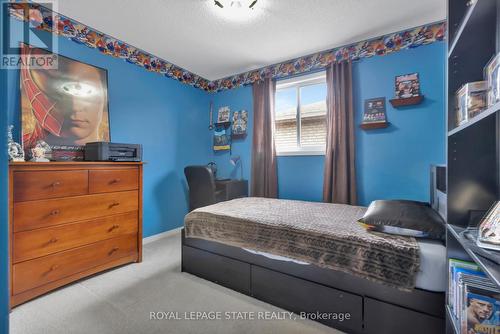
pixel 230 189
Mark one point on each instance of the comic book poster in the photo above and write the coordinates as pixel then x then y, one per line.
pixel 375 111
pixel 407 85
pixel 221 140
pixel 223 115
pixel 240 122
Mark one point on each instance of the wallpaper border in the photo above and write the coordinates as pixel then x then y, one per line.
pixel 41 18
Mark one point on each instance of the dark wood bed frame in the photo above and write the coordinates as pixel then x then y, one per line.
pixel 373 308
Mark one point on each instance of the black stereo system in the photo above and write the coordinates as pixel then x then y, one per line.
pixel 104 151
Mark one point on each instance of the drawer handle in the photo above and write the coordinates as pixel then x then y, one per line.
pixel 112 251
pixel 51 269
pixel 55 184
pixel 112 205
pixel 53 240
pixel 114 227
pixel 55 212
pixel 115 181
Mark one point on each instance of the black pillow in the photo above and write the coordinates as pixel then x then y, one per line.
pixel 411 215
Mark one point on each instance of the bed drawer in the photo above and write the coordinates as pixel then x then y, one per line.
pixel 33 273
pixel 221 270
pixel 37 214
pixel 36 243
pixel 103 181
pixel 30 186
pixel 299 295
pixel 385 318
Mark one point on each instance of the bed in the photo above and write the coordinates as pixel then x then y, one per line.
pixel 315 259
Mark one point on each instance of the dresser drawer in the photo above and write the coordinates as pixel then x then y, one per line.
pixel 37 243
pixel 102 181
pixel 33 273
pixel 49 184
pixel 37 214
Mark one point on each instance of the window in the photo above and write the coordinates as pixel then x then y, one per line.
pixel 300 119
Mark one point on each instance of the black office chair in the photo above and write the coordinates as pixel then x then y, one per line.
pixel 202 189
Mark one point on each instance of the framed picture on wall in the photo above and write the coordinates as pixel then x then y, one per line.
pixel 240 121
pixel 374 111
pixel 223 115
pixel 407 85
pixel 65 107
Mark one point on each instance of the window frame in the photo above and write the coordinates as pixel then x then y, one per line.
pixel 299 82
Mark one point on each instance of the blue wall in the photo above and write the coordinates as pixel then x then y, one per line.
pixel 291 185
pixel 392 162
pixel 236 99
pixel 4 226
pixel 168 118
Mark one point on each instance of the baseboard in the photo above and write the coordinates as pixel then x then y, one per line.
pixel 161 235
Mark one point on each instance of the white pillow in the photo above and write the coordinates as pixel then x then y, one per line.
pixel 399 231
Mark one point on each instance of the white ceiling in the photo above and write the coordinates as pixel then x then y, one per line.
pixel 195 34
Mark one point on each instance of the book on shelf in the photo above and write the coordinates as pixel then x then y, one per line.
pixel 473 299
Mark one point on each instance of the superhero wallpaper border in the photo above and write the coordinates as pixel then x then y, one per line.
pixel 41 18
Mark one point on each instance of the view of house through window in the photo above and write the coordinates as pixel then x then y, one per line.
pixel 300 120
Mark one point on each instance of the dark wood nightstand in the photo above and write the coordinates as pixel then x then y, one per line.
pixel 231 189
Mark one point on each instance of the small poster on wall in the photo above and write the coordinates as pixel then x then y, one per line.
pixel 223 115
pixel 374 111
pixel 221 140
pixel 407 85
pixel 240 121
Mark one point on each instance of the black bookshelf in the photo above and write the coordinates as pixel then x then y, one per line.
pixel 491 269
pixel 473 173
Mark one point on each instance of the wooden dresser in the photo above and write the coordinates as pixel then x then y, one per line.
pixel 69 220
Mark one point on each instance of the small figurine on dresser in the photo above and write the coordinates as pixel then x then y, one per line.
pixel 16 152
pixel 41 152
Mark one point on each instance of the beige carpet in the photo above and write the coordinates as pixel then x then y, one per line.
pixel 120 301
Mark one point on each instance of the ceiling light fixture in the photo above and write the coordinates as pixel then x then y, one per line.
pixel 241 11
pixel 235 4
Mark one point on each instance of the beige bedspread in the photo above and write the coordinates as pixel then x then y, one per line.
pixel 323 234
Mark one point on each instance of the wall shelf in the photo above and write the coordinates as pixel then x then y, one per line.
pixel 239 136
pixel 375 125
pixel 409 101
pixel 485 113
pixel 222 125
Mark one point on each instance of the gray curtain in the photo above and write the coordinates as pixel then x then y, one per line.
pixel 264 181
pixel 339 182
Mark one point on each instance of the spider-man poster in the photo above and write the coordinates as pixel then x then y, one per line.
pixel 64 107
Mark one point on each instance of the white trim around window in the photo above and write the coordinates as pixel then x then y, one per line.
pixel 302 80
pixel 313 150
pixel 299 82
